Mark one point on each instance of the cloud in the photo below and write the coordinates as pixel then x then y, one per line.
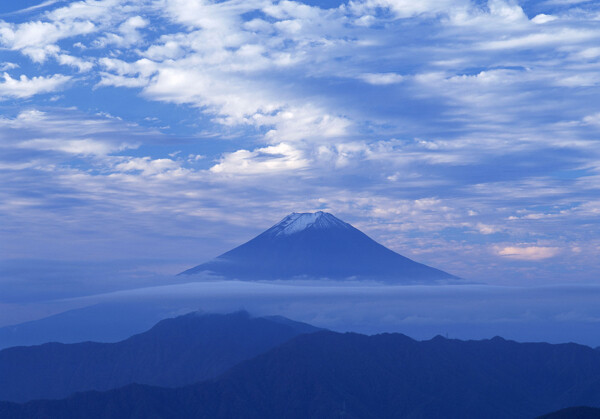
pixel 8 66
pixel 84 146
pixel 406 8
pixel 25 87
pixel 37 39
pixel 128 34
pixel 529 252
pixel 564 36
pixel 81 65
pixel 551 314
pixel 148 166
pixel 445 129
pixel 267 160
pixel 233 100
pixel 486 229
pixel 381 78
pixel 66 132
pixel 42 5
pixel 543 18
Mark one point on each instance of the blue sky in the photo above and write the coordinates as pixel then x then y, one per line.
pixel 140 138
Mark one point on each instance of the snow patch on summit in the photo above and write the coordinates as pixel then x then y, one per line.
pixel 301 222
pixel 297 222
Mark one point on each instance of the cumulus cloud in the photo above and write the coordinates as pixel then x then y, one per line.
pixel 267 160
pixel 127 35
pixel 80 64
pixel 37 39
pixel 25 87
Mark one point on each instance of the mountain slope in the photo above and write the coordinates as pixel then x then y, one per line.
pixel 317 245
pixel 103 322
pixel 332 375
pixel 175 352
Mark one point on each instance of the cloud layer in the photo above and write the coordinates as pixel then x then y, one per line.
pixel 461 134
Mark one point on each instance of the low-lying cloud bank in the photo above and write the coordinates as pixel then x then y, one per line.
pixel 552 313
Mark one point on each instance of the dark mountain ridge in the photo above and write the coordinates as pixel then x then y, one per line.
pixel 104 322
pixel 317 245
pixel 332 375
pixel 175 352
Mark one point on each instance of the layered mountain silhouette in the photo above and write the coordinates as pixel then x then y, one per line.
pixel 175 352
pixel 333 375
pixel 317 245
pixel 104 322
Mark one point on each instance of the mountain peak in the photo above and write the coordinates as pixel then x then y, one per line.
pixel 317 245
pixel 300 221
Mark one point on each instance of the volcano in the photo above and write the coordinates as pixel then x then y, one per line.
pixel 314 246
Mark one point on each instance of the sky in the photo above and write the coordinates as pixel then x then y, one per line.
pixel 141 138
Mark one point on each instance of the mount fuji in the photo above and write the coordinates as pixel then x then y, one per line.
pixel 317 245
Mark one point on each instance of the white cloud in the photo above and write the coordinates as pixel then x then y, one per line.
pixel 588 53
pixel 556 37
pixel 486 228
pixel 42 5
pixel 8 66
pixel 67 132
pixel 528 252
pixel 543 18
pixel 407 8
pixel 124 74
pixel 37 39
pixel 381 78
pixel 25 87
pixel 308 123
pixel 84 146
pixel 494 17
pixel 85 10
pixel 213 16
pixel 168 49
pixel 128 34
pixel 233 100
pixel 592 119
pixel 148 166
pixel 506 10
pixel 267 160
pixel 463 118
pixel 80 64
pixel 579 80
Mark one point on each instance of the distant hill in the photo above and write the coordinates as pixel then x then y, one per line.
pixel 175 352
pixel 105 322
pixel 333 375
pixel 317 245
